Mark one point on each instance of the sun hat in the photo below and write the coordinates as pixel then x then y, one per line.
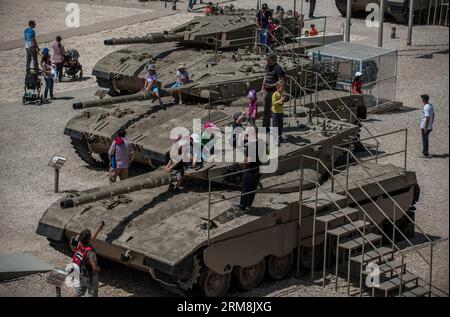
pixel 358 74
pixel 151 67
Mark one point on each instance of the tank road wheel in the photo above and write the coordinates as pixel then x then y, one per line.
pixel 279 267
pixel 251 276
pixel 85 154
pixel 212 284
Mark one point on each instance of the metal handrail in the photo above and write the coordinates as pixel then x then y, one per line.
pixel 306 93
pixel 348 109
pixel 346 216
pixel 415 248
pixel 343 103
pixel 402 253
pixel 383 189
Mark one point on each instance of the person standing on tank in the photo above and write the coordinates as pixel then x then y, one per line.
pixel 274 74
pixel 251 174
pixel 121 154
pixel 263 19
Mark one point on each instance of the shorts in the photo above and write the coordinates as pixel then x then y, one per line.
pixel 264 37
pixel 176 85
pixel 155 90
pixel 86 284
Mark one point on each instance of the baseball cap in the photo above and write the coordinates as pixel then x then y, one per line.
pixel 357 74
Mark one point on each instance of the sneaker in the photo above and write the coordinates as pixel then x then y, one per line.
pixel 424 156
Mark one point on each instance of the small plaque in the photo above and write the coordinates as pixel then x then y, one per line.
pixel 57 162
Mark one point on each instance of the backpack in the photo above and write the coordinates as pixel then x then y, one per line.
pixel 80 258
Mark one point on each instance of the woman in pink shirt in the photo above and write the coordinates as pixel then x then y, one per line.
pixel 58 56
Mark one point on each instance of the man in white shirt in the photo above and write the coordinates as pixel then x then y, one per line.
pixel 426 123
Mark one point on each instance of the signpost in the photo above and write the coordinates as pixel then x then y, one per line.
pixel 57 163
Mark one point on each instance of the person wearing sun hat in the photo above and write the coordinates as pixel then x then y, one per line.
pixel 182 79
pixel 151 82
pixel 357 84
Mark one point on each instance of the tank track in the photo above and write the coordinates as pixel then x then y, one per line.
pixel 82 149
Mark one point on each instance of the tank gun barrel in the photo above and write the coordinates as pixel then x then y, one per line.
pixel 148 39
pixel 145 181
pixel 113 100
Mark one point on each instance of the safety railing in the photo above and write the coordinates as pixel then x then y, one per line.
pixel 351 114
pixel 396 207
pixel 349 195
pixel 412 247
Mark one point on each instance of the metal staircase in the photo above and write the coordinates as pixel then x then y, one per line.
pixel 353 248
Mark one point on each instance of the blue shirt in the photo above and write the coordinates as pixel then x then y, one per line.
pixel 29 37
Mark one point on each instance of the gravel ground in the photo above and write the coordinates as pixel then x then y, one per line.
pixel 29 136
pixel 50 15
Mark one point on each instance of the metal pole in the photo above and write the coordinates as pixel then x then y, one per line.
pixel 324 30
pixel 406 147
pixel 174 4
pixel 380 29
pixel 347 20
pixel 314 222
pixel 209 205
pixel 57 291
pixel 56 185
pixel 300 203
pixel 435 12
pixel 410 22
pixel 431 268
pixel 295 6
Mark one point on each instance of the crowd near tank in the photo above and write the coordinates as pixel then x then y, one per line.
pixel 189 244
pixel 195 238
pixel 396 9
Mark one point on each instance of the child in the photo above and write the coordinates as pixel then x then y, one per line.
pixel 176 166
pixel 278 100
pixel 313 30
pixel 151 83
pixel 252 107
pixel 47 69
pixel 182 78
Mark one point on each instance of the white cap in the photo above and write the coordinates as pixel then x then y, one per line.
pixel 357 74
pixel 195 138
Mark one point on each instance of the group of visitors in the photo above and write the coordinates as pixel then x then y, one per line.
pixel 51 64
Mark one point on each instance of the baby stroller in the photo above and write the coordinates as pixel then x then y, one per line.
pixel 71 65
pixel 33 87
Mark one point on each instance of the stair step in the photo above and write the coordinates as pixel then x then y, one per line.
pixel 358 242
pixel 348 228
pixel 387 267
pixel 337 214
pixel 417 291
pixel 394 282
pixel 323 200
pixel 372 255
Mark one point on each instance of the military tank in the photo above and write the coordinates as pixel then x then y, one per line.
pixel 194 239
pixel 397 9
pixel 123 71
